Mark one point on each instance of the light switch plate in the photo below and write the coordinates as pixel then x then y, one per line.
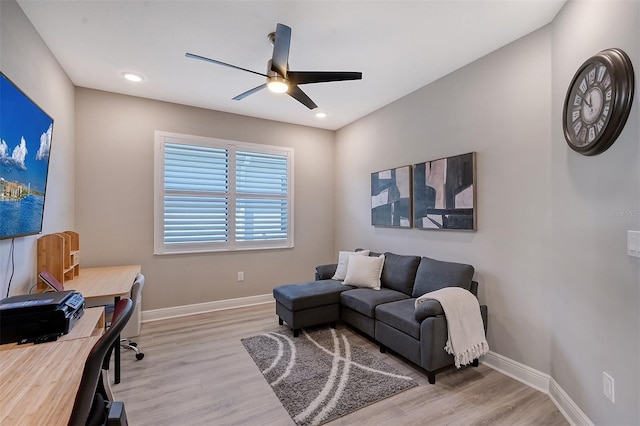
pixel 633 243
pixel 608 387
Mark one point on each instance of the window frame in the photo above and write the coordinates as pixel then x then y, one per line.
pixel 161 248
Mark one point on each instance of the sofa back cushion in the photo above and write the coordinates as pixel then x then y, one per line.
pixel 436 274
pixel 399 272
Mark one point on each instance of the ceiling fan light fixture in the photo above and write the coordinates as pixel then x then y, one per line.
pixel 277 84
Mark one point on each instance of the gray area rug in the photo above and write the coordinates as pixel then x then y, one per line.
pixel 319 376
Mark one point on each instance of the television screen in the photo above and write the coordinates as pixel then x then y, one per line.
pixel 25 142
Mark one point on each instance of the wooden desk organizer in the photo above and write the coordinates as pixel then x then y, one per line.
pixel 59 254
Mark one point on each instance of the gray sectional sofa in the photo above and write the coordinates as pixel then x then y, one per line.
pixel 388 315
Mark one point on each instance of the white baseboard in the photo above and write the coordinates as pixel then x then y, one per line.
pixel 539 381
pixel 567 407
pixel 520 372
pixel 200 308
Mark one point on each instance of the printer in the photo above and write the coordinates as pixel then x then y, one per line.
pixel 39 317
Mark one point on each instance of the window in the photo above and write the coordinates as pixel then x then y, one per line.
pixel 217 195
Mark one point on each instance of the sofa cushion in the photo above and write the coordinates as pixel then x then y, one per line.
pixel 309 295
pixel 343 262
pixel 399 315
pixel 364 271
pixel 365 300
pixel 399 272
pixel 436 274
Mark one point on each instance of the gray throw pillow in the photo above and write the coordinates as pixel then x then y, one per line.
pixel 434 274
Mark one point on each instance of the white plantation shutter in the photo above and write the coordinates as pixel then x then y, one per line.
pixel 195 203
pixel 261 196
pixel 194 219
pixel 195 168
pixel 218 195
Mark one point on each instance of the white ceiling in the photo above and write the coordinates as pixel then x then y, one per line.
pixel 399 46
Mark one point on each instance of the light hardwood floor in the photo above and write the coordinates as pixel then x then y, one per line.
pixel 196 372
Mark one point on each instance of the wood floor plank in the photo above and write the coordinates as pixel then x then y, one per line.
pixel 197 372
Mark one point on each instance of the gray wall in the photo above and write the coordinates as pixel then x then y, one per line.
pixel 27 61
pixel 595 200
pixel 550 250
pixel 114 198
pixel 499 107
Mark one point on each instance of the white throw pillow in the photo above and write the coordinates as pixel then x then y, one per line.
pixel 365 272
pixel 343 262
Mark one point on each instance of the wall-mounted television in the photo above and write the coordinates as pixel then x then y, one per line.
pixel 25 144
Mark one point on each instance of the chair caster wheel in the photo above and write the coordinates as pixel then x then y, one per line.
pixel 139 356
pixel 134 344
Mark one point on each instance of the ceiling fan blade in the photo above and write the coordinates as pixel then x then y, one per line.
pixel 280 59
pixel 305 77
pixel 297 93
pixel 204 58
pixel 249 92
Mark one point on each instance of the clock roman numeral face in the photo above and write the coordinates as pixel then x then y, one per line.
pixel 577 101
pixel 590 103
pixel 601 72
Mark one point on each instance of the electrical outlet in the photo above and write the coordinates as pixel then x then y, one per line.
pixel 241 276
pixel 608 387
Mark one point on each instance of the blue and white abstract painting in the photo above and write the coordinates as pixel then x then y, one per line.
pixel 391 197
pixel 444 193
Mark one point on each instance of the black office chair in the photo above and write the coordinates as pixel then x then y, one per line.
pixel 136 290
pixel 90 407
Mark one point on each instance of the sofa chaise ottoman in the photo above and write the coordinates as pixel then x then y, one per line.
pixel 309 304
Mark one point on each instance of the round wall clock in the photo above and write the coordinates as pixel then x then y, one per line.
pixel 598 102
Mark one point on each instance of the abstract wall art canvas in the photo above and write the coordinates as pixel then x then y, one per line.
pixel 444 193
pixel 391 197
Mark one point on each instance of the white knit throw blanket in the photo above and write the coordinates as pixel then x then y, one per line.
pixel 466 340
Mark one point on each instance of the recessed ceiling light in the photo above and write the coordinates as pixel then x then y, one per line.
pixel 321 114
pixel 136 78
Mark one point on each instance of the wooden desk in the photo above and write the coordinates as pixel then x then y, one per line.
pixel 108 281
pixel 114 281
pixel 38 383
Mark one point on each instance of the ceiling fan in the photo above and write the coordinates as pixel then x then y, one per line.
pixel 279 78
